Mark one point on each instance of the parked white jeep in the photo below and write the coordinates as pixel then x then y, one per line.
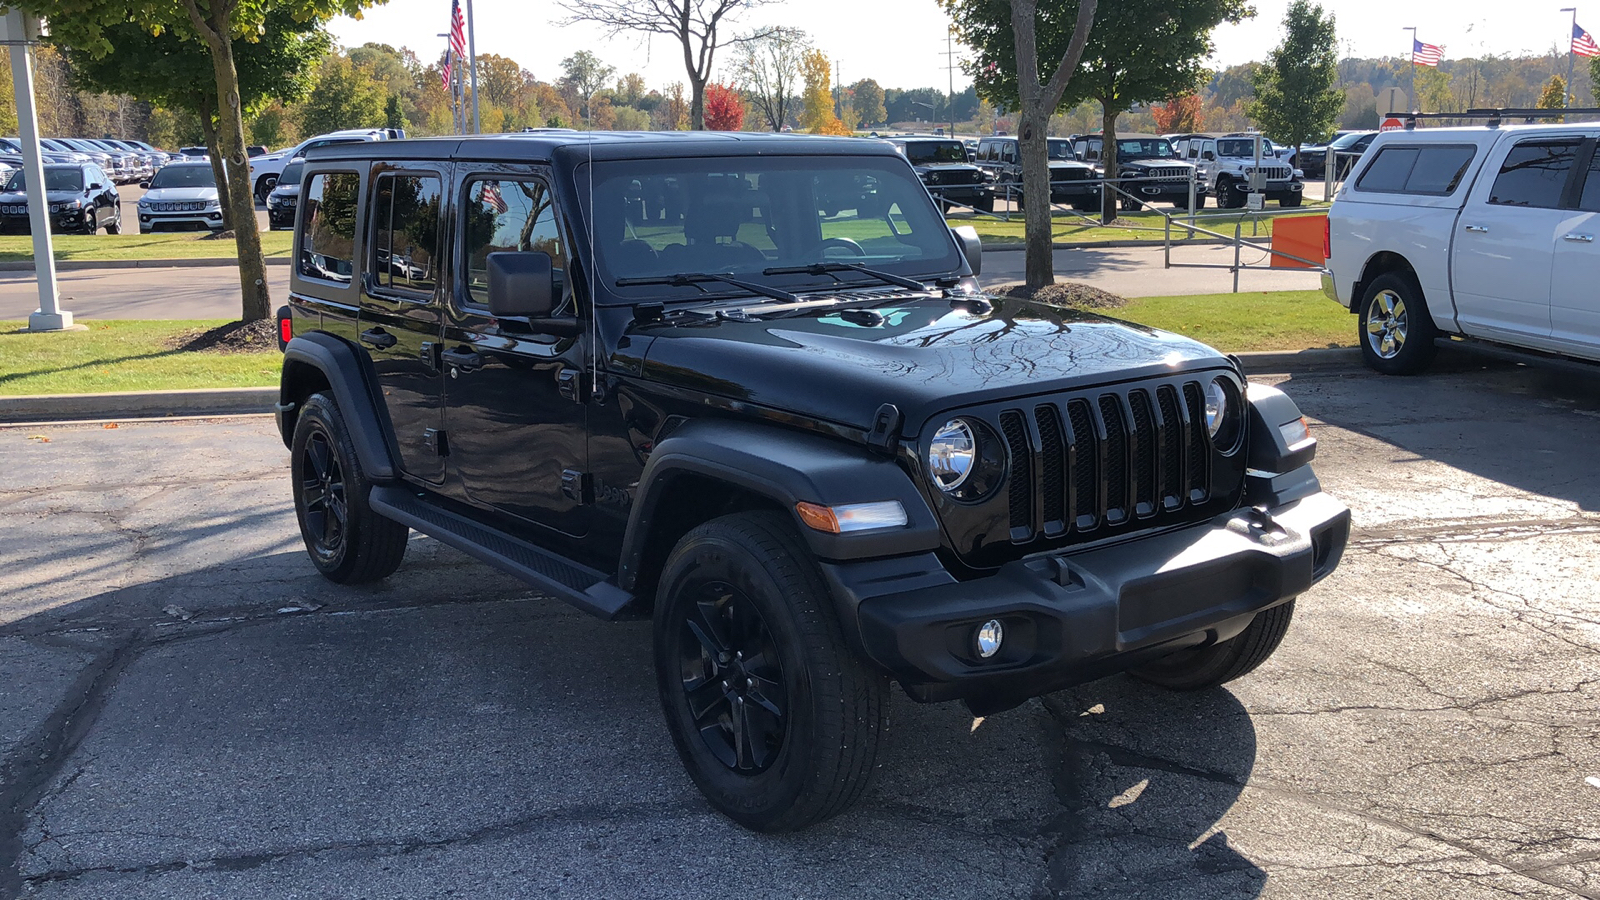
pixel 1481 233
pixel 1226 162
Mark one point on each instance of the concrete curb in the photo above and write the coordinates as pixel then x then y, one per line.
pixel 136 404
pixel 80 265
pixel 237 401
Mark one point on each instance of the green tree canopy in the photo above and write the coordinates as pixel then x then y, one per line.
pixel 1296 100
pixel 343 97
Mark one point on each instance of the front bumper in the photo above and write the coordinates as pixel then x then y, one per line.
pixel 211 218
pixel 1076 616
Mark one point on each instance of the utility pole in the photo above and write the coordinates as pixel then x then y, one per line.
pixel 472 63
pixel 1566 93
pixel 838 91
pixel 950 68
pixel 1415 106
pixel 20 34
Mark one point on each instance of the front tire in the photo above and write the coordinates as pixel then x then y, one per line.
pixel 264 187
pixel 1396 331
pixel 348 542
pixel 1289 201
pixel 1222 662
pixel 776 720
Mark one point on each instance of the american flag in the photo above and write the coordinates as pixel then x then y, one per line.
pixel 447 59
pixel 458 29
pixel 491 196
pixel 1425 54
pixel 1582 43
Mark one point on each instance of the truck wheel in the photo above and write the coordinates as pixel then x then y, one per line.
pixel 1396 331
pixel 776 720
pixel 984 204
pixel 1207 667
pixel 1289 201
pixel 347 541
pixel 264 186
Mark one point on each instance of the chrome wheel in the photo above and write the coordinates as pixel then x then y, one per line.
pixel 1386 324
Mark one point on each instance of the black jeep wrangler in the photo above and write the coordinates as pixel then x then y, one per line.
pixel 1071 181
pixel 746 384
pixel 943 167
pixel 1148 170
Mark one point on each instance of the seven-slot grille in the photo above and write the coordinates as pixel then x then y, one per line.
pixel 1169 172
pixel 1071 173
pixel 1272 173
pixel 179 206
pixel 1086 463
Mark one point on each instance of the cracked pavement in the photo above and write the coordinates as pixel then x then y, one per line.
pixel 187 710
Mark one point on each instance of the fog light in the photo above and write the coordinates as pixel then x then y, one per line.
pixel 990 636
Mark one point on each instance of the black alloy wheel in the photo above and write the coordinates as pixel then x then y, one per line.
pixel 732 677
pixel 264 188
pixel 347 541
pixel 322 497
pixel 91 224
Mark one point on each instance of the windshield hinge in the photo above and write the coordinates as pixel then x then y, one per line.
pixel 885 432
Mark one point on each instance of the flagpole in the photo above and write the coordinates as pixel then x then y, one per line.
pixel 472 64
pixel 1566 99
pixel 1415 106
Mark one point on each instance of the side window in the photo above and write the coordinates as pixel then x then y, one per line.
pixel 507 215
pixel 405 233
pixel 1008 152
pixel 327 248
pixel 1590 201
pixel 1535 174
pixel 1417 170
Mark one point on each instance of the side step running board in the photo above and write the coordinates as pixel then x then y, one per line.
pixel 583 587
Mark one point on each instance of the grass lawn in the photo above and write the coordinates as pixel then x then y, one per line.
pixel 1233 323
pixel 122 356
pixel 167 245
pixel 1148 227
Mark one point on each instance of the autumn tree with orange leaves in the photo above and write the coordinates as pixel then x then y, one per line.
pixel 1180 115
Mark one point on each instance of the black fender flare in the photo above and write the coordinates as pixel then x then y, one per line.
pixel 353 385
pixel 786 467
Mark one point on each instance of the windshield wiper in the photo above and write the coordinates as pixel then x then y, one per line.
pixel 686 279
pixel 829 268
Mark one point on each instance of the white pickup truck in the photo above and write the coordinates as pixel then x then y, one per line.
pixel 1482 233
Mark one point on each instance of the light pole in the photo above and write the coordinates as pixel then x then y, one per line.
pixel 472 63
pixel 1566 93
pixel 20 33
pixel 1415 106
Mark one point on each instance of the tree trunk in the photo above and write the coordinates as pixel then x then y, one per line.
pixel 208 129
pixel 1035 149
pixel 230 127
pixel 697 104
pixel 1108 162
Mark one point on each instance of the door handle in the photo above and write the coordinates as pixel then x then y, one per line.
pixel 1478 229
pixel 1580 238
pixel 379 338
pixel 462 359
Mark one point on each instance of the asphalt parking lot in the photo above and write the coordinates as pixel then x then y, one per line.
pixel 187 710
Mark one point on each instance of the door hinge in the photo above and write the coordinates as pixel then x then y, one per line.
pixel 569 383
pixel 578 486
pixel 437 441
pixel 430 355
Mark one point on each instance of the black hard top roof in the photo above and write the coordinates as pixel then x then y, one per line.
pixel 546 146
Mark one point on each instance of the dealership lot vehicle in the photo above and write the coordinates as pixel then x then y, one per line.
pixel 1008 499
pixel 264 169
pixel 1148 169
pixel 81 199
pixel 285 197
pixel 1227 166
pixel 183 195
pixel 1071 180
pixel 1478 233
pixel 941 164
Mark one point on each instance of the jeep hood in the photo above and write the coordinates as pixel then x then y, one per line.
pixel 925 356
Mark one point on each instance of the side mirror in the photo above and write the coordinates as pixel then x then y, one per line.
pixel 1208 156
pixel 521 285
pixel 971 247
pixel 95 185
pixel 144 185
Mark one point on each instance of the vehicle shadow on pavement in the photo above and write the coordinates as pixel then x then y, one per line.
pixel 1517 425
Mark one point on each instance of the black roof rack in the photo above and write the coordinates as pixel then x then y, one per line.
pixel 1496 116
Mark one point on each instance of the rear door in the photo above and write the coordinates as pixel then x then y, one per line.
pixel 1575 274
pixel 401 324
pixel 1504 242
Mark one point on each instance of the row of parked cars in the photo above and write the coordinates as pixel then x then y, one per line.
pixel 1150 169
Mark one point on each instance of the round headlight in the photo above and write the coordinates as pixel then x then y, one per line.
pixel 1216 407
pixel 952 454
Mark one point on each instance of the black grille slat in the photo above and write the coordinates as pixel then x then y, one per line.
pixel 1198 442
pixel 1052 469
pixel 1085 471
pixel 1116 459
pixel 1144 453
pixel 1171 488
pixel 1021 483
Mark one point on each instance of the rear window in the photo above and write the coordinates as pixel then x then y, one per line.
pixel 327 246
pixel 1535 174
pixel 406 233
pixel 1417 170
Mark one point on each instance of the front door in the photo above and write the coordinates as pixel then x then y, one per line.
pixel 1505 239
pixel 1575 276
pixel 515 411
pixel 400 322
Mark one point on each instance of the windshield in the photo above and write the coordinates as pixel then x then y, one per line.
pixel 1245 147
pixel 921 153
pixel 291 172
pixel 54 180
pixel 1061 149
pixel 1348 140
pixel 183 177
pixel 1144 148
pixel 743 215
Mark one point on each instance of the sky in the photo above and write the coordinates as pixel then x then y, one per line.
pixel 901 43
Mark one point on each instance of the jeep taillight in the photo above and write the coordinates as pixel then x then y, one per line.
pixel 285 327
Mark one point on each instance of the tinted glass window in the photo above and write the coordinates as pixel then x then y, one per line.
pixel 1439 170
pixel 327 248
pixel 507 216
pixel 1144 149
pixel 1535 174
pixel 405 230
pixel 1060 149
pixel 54 180
pixel 1590 201
pixel 924 152
pixel 1388 173
pixel 1008 152
pixel 183 177
pixel 291 172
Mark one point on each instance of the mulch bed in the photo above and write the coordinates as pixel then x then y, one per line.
pixel 235 337
pixel 1063 293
